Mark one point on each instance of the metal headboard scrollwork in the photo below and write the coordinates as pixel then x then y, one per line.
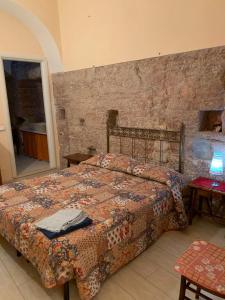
pixel 146 135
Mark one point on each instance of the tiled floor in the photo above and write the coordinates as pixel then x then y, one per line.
pixel 26 165
pixel 149 277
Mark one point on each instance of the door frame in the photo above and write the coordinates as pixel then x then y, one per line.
pixel 47 107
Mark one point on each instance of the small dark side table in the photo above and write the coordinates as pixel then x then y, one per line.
pixel 202 189
pixel 76 158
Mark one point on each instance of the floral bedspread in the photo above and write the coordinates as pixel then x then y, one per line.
pixel 131 205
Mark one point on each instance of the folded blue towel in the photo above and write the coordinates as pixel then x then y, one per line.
pixel 51 235
pixel 62 219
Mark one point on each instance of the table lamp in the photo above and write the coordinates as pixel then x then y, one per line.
pixel 216 167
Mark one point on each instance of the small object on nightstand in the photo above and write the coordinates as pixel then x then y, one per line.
pixel 91 150
pixel 205 189
pixel 76 158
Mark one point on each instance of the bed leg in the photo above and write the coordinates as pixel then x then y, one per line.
pixel 18 254
pixel 66 291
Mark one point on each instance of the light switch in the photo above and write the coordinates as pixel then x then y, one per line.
pixel 2 127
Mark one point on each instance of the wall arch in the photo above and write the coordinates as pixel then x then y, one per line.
pixel 40 31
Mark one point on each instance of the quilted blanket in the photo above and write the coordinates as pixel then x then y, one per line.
pixel 131 205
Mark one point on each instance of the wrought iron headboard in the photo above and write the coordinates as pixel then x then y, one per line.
pixel 146 135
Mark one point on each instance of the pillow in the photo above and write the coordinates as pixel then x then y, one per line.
pixel 126 164
pixel 112 161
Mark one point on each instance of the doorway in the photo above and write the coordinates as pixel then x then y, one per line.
pixel 29 117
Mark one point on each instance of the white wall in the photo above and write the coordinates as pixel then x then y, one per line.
pixel 101 32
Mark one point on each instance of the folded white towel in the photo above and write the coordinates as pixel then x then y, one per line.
pixel 62 220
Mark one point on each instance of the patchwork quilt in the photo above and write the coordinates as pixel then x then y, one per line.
pixel 131 205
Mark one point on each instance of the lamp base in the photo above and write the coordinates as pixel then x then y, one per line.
pixel 215 183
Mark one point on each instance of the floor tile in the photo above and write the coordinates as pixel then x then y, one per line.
pixel 19 269
pixel 165 281
pixel 162 258
pixel 137 286
pixel 8 288
pixel 143 266
pixel 33 290
pixel 111 291
pixel 28 165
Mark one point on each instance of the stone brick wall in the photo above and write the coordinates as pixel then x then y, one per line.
pixel 158 92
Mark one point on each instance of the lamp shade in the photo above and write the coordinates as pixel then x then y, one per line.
pixel 216 167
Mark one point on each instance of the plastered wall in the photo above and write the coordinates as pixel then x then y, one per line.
pixel 101 32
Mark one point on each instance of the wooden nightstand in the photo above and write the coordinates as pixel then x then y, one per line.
pixel 76 158
pixel 202 189
pixel 0 178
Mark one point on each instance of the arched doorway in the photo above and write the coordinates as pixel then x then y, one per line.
pixel 39 30
pixel 50 61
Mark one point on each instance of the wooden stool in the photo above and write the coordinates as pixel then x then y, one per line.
pixel 202 268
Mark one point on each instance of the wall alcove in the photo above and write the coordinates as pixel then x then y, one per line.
pixel 211 120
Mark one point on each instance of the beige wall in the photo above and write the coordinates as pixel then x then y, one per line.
pixel 100 32
pixel 41 17
pixel 47 12
pixel 16 41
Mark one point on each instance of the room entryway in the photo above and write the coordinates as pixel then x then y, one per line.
pixel 29 116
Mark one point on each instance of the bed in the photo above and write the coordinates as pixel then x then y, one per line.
pixel 131 203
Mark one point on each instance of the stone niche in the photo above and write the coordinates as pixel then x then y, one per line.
pixel 211 120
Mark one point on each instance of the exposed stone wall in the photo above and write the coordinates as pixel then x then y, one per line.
pixel 152 93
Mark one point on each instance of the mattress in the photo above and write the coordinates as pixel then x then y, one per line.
pixel 131 205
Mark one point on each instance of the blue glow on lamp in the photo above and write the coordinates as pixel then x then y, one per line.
pixel 216 167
